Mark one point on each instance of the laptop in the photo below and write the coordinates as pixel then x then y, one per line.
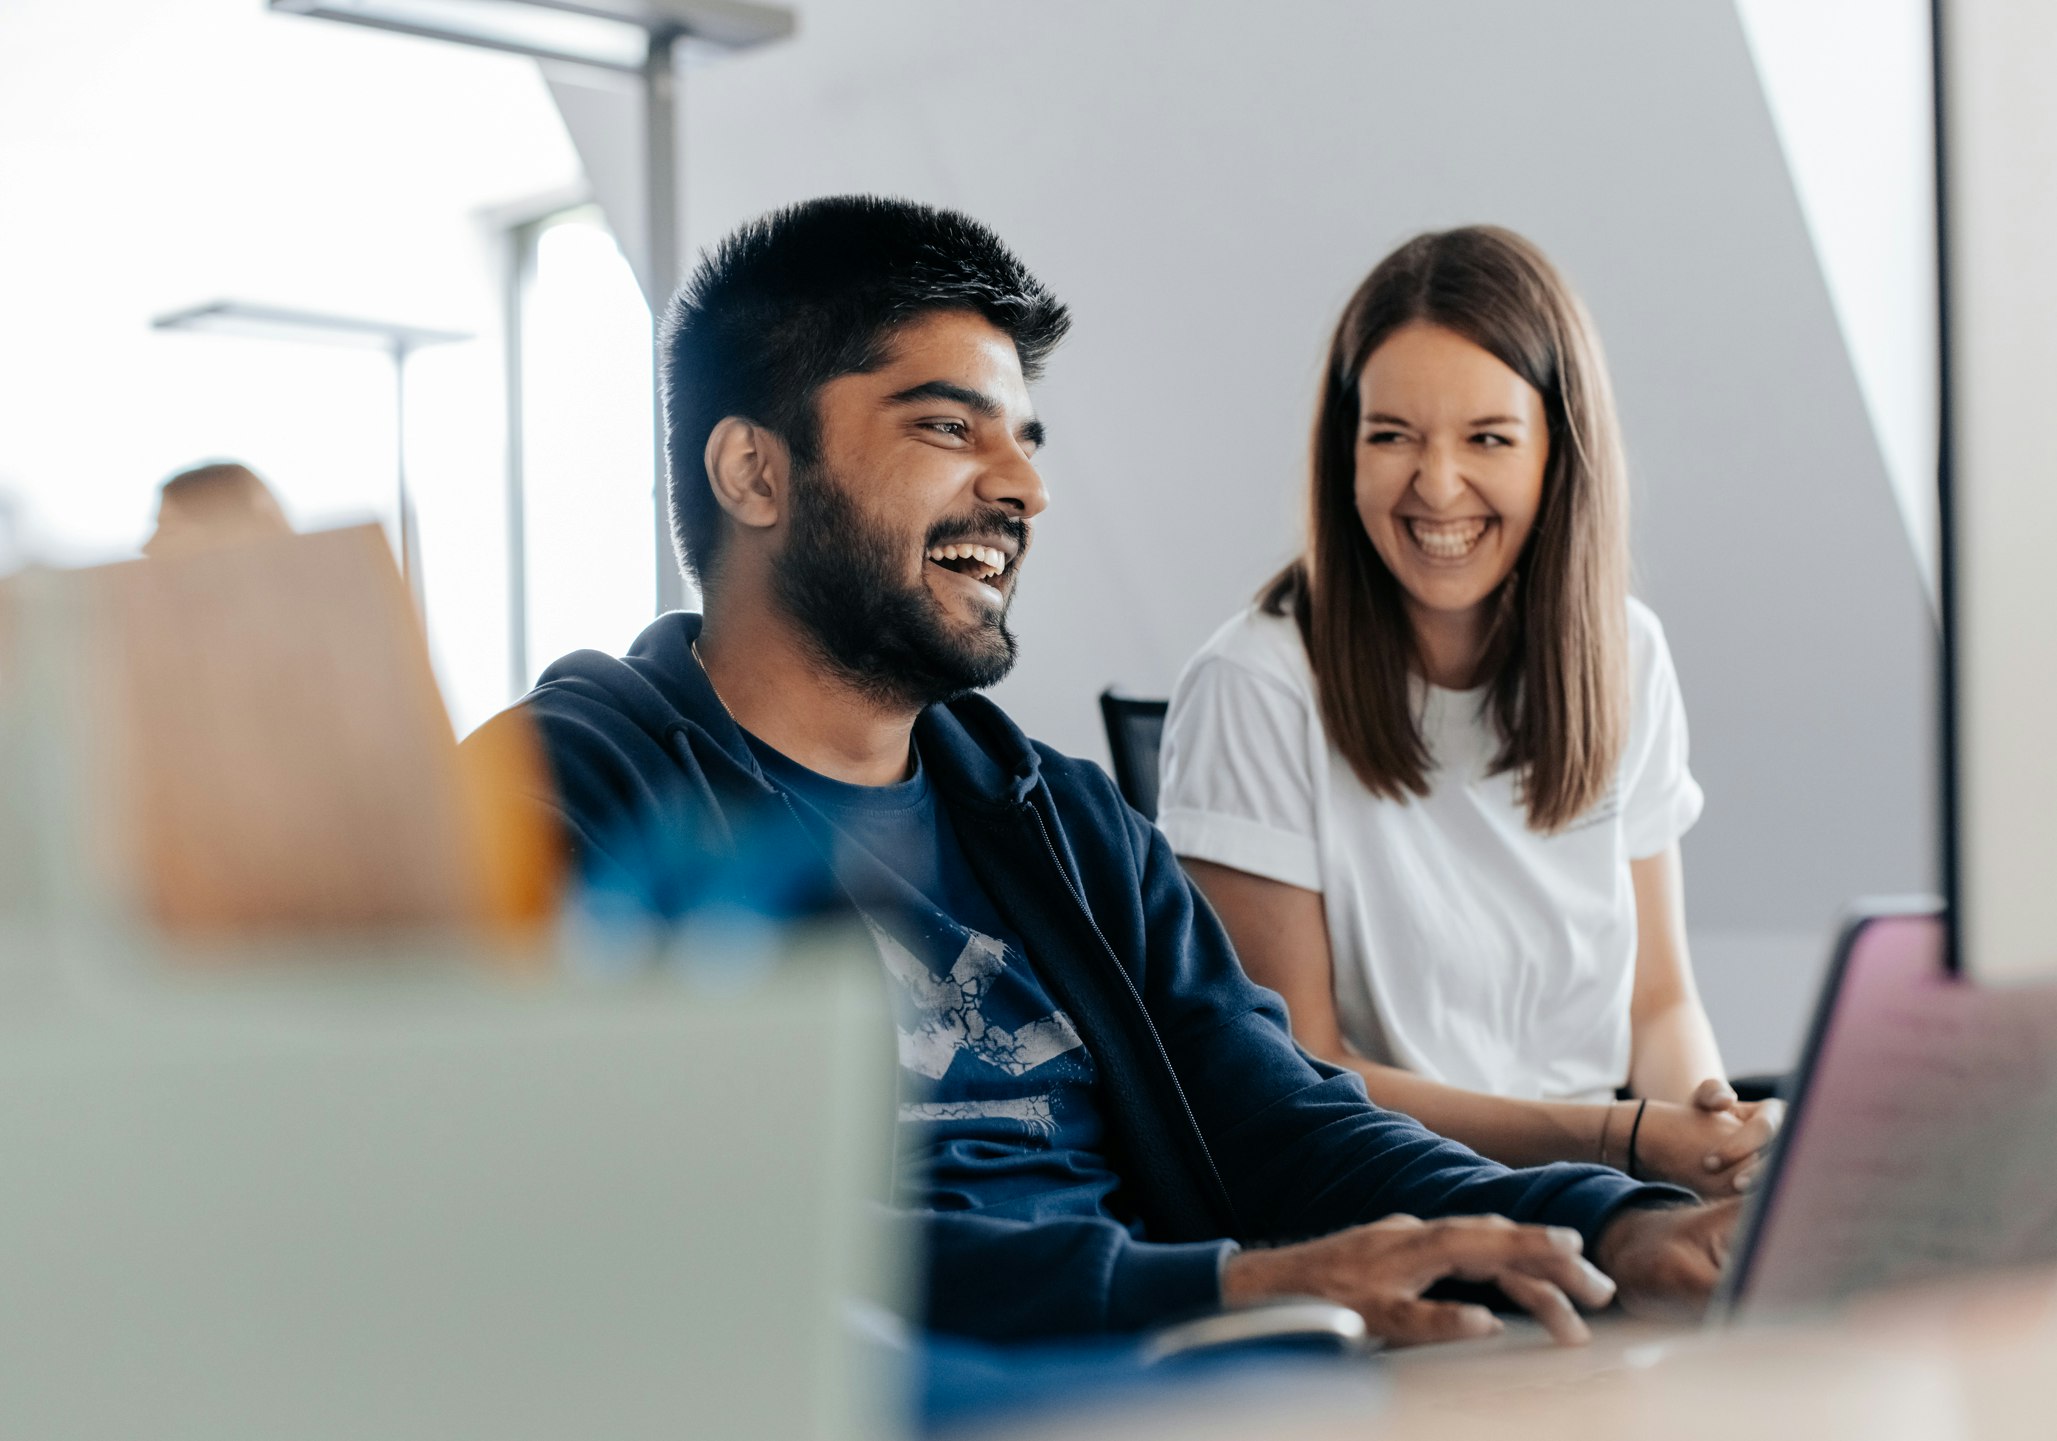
pixel 1921 1139
pixel 1920 1142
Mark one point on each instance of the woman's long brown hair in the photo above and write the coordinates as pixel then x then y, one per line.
pixel 1556 660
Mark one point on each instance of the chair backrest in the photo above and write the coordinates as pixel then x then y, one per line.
pixel 1135 731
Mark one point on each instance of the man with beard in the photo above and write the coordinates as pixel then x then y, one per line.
pixel 1108 1126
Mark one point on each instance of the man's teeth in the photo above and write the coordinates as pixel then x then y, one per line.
pixel 991 559
pixel 1448 539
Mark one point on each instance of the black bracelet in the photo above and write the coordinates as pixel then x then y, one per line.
pixel 1641 1106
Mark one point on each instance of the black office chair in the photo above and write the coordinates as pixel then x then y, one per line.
pixel 1135 731
pixel 1761 1087
pixel 1758 1086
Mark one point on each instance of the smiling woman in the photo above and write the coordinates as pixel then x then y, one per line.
pixel 1434 781
pixel 1448 482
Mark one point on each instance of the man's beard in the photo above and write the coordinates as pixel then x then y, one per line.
pixel 840 577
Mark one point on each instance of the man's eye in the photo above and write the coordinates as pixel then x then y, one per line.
pixel 954 428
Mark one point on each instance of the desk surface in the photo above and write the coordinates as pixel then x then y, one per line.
pixel 1965 1363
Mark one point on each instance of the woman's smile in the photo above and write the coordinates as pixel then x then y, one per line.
pixel 1448 541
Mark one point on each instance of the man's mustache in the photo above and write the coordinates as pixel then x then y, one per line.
pixel 984 526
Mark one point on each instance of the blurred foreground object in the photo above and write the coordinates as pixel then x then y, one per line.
pixel 210 504
pixel 245 739
pixel 284 1162
pixel 409 1202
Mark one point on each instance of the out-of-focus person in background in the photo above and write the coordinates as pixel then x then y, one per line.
pixel 1434 780
pixel 221 501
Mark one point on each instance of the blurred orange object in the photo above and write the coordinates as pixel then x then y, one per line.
pixel 519 849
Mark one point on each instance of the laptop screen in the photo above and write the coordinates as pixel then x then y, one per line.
pixel 1924 1140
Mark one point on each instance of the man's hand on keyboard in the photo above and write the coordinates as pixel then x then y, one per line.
pixel 1665 1259
pixel 1381 1270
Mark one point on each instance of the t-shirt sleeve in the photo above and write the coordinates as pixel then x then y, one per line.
pixel 1237 784
pixel 1660 798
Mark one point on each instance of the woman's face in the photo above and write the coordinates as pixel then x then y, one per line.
pixel 1451 449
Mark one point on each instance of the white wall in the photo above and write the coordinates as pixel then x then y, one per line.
pixel 1205 183
pixel 1848 84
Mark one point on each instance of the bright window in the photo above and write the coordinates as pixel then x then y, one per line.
pixel 584 423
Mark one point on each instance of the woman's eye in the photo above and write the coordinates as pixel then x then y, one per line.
pixel 1491 441
pixel 1384 437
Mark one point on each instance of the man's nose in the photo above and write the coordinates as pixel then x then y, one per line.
pixel 1013 483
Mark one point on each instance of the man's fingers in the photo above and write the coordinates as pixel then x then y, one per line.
pixel 1482 1248
pixel 1425 1323
pixel 1474 1247
pixel 1699 1271
pixel 1547 1304
pixel 1575 1276
pixel 1700 1248
pixel 1718 1228
pixel 1674 1281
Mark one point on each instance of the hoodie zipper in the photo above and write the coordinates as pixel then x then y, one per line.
pixel 1107 949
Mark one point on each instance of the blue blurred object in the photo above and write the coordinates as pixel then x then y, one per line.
pixel 760 863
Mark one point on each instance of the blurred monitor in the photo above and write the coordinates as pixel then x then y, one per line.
pixel 387 1199
pixel 1997 198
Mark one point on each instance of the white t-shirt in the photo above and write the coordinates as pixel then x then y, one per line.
pixel 1467 947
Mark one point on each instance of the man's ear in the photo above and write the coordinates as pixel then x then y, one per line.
pixel 749 469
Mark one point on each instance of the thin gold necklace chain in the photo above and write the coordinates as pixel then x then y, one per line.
pixel 710 680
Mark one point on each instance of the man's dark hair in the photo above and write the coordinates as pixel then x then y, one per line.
pixel 796 298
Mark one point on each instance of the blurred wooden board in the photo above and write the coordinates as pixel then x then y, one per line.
pixel 284 756
pixel 256 744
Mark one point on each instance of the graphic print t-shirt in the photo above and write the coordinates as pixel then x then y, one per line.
pixel 999 1110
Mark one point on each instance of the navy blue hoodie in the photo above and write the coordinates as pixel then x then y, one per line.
pixel 1219 1126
